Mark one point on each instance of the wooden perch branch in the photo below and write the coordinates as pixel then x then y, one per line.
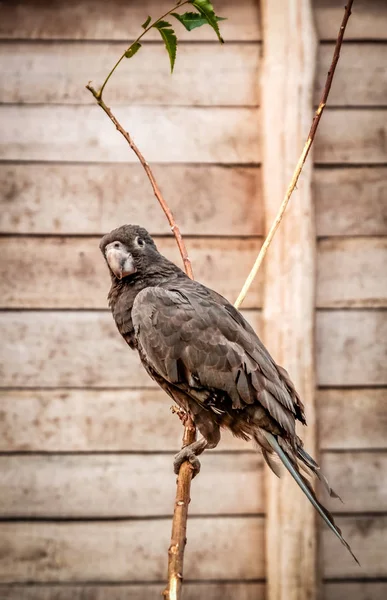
pixel 301 160
pixel 183 491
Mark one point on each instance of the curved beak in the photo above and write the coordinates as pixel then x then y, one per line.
pixel 120 261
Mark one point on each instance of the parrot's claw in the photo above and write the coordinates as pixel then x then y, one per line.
pixel 186 453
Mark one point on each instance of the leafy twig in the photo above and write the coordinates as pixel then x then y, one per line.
pixel 301 160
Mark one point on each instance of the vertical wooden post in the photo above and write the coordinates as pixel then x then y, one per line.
pixel 287 105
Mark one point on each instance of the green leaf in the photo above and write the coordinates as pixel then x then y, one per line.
pixel 146 23
pixel 192 20
pixel 169 38
pixel 207 10
pixel 131 51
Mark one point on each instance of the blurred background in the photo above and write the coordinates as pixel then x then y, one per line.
pixel 86 439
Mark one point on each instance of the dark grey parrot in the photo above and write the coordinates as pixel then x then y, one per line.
pixel 205 355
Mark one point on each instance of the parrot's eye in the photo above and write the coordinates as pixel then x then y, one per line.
pixel 116 244
pixel 140 242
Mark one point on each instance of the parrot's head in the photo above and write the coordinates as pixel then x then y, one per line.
pixel 128 249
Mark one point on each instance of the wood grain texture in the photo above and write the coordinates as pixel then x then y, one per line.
pixel 352 419
pixel 356 590
pixel 216 200
pixel 360 478
pixel 350 201
pixel 361 78
pixel 192 591
pixel 206 135
pixel 204 75
pixel 72 273
pixel 367 536
pixel 135 485
pixel 352 348
pixel 368 20
pixel 93 420
pixel 352 273
pixel 170 134
pixel 118 20
pixel 288 300
pixel 352 136
pixel 70 349
pixel 206 200
pixel 227 79
pixel 129 550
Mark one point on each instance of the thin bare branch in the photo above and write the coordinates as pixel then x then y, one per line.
pixel 301 160
pixel 168 213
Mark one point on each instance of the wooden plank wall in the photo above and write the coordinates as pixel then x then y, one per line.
pixel 86 440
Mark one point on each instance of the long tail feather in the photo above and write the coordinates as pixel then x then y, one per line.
pixel 307 489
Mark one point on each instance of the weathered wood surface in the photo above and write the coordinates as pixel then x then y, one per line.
pixel 93 420
pixel 138 485
pixel 352 419
pixel 54 349
pixel 164 134
pixel 70 349
pixel 135 485
pixel 218 548
pixel 355 590
pixel 289 290
pixel 134 550
pixel 352 348
pixel 352 136
pixel 31 74
pixel 204 75
pixel 220 135
pixel 215 200
pixel 350 201
pixel 125 420
pixel 367 537
pixel 352 273
pixel 116 20
pixel 360 478
pixel 192 591
pixel 71 272
pixel 361 78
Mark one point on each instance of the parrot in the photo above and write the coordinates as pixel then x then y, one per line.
pixel 204 354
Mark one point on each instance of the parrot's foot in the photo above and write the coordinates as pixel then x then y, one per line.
pixel 190 453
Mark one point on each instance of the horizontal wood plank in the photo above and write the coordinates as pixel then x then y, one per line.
pixel 352 419
pixel 367 538
pixel 216 201
pixel 355 590
pixel 218 548
pixel 352 273
pixel 134 485
pixel 125 420
pixel 204 75
pixel 352 136
pixel 206 135
pixel 361 78
pixel 55 350
pixel 351 348
pixel 360 478
pixel 117 20
pixel 192 591
pixel 71 272
pixel 368 20
pixel 350 201
pixel 70 349
pixel 93 420
pixel 228 79
pixel 164 134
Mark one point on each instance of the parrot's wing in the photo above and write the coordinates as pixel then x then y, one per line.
pixel 187 337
